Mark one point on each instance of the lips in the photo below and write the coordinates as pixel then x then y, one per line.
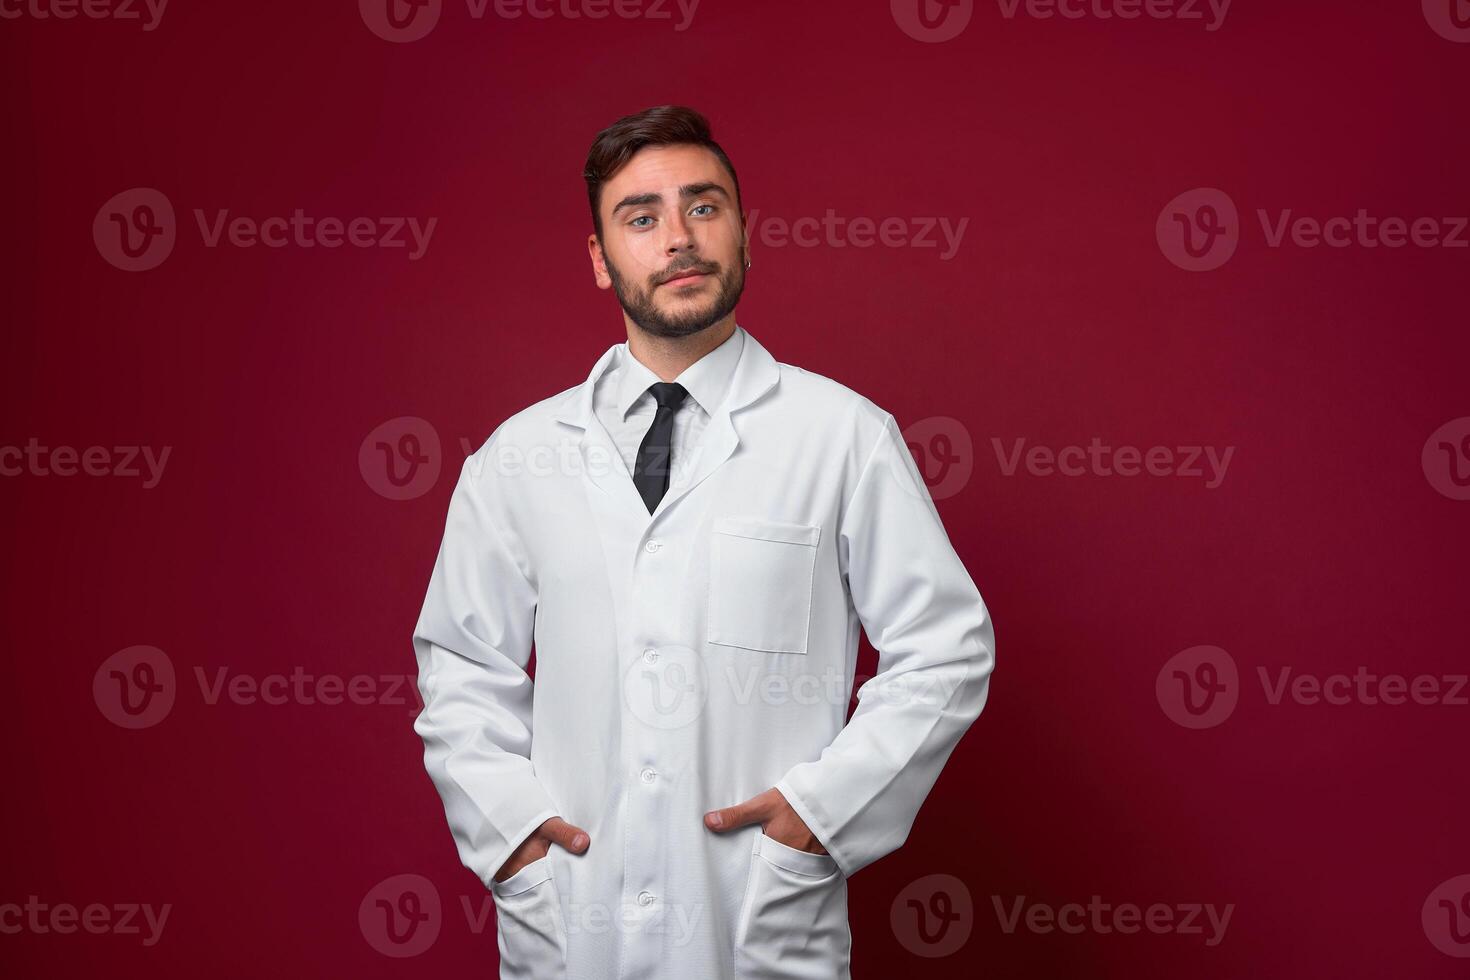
pixel 687 276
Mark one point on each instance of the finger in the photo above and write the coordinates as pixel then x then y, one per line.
pixel 753 810
pixel 564 835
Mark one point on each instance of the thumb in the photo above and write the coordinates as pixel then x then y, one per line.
pixel 564 835
pixel 751 811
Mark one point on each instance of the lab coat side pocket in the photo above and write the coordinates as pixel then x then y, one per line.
pixel 793 922
pixel 531 933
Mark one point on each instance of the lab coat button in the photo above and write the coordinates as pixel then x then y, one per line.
pixel 652 547
pixel 650 655
pixel 645 898
pixel 647 775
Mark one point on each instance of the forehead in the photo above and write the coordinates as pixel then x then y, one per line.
pixel 663 170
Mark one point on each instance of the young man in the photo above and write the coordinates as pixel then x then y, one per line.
pixel 692 538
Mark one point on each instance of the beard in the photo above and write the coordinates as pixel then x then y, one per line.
pixel 638 302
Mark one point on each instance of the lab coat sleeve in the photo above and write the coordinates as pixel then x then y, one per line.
pixel 472 642
pixel 936 649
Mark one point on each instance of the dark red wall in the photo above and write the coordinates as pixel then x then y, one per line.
pixel 1071 311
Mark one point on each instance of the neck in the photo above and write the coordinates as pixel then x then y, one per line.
pixel 667 357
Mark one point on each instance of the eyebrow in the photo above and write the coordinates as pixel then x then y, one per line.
pixel 685 192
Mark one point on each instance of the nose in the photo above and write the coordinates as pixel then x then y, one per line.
pixel 679 237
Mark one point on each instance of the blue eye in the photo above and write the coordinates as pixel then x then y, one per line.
pixel 703 207
pixel 641 217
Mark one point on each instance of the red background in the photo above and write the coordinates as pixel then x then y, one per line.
pixel 263 549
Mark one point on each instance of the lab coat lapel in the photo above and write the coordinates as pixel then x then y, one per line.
pixel 715 446
pixel 755 374
pixel 602 464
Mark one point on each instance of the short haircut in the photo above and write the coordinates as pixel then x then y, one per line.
pixel 664 125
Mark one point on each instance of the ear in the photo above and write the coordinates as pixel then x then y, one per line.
pixel 599 263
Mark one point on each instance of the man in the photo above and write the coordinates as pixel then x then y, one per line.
pixel 692 539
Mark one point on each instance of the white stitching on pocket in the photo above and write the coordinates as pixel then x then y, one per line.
pixel 794 859
pixel 764 530
pixel 526 878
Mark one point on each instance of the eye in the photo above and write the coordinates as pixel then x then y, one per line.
pixel 641 217
pixel 706 208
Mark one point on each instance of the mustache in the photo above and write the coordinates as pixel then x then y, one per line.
pixel 708 268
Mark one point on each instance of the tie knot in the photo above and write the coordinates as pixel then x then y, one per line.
pixel 668 394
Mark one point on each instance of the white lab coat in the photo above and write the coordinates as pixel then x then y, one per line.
pixel 686 661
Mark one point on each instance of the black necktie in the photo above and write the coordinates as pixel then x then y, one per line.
pixel 651 471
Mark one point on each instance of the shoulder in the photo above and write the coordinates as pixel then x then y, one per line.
pixel 523 435
pixel 829 404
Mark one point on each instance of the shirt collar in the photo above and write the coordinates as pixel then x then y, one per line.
pixel 707 380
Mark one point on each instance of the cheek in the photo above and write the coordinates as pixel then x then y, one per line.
pixel 720 240
pixel 640 258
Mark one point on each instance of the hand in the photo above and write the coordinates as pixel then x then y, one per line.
pixel 778 821
pixel 538 845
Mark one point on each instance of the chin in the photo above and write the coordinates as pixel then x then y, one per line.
pixel 684 326
pixel 687 312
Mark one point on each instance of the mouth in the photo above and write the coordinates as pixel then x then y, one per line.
pixel 688 277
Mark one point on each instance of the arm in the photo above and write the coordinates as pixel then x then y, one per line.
pixel 936 649
pixel 472 643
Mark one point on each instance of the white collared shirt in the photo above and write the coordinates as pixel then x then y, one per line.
pixel 625 407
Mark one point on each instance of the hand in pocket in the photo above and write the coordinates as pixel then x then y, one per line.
pixel 776 817
pixel 555 830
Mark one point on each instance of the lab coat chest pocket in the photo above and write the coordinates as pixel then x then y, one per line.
pixel 760 591
pixel 793 922
pixel 532 934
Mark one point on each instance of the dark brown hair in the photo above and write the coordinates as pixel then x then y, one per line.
pixel 664 125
